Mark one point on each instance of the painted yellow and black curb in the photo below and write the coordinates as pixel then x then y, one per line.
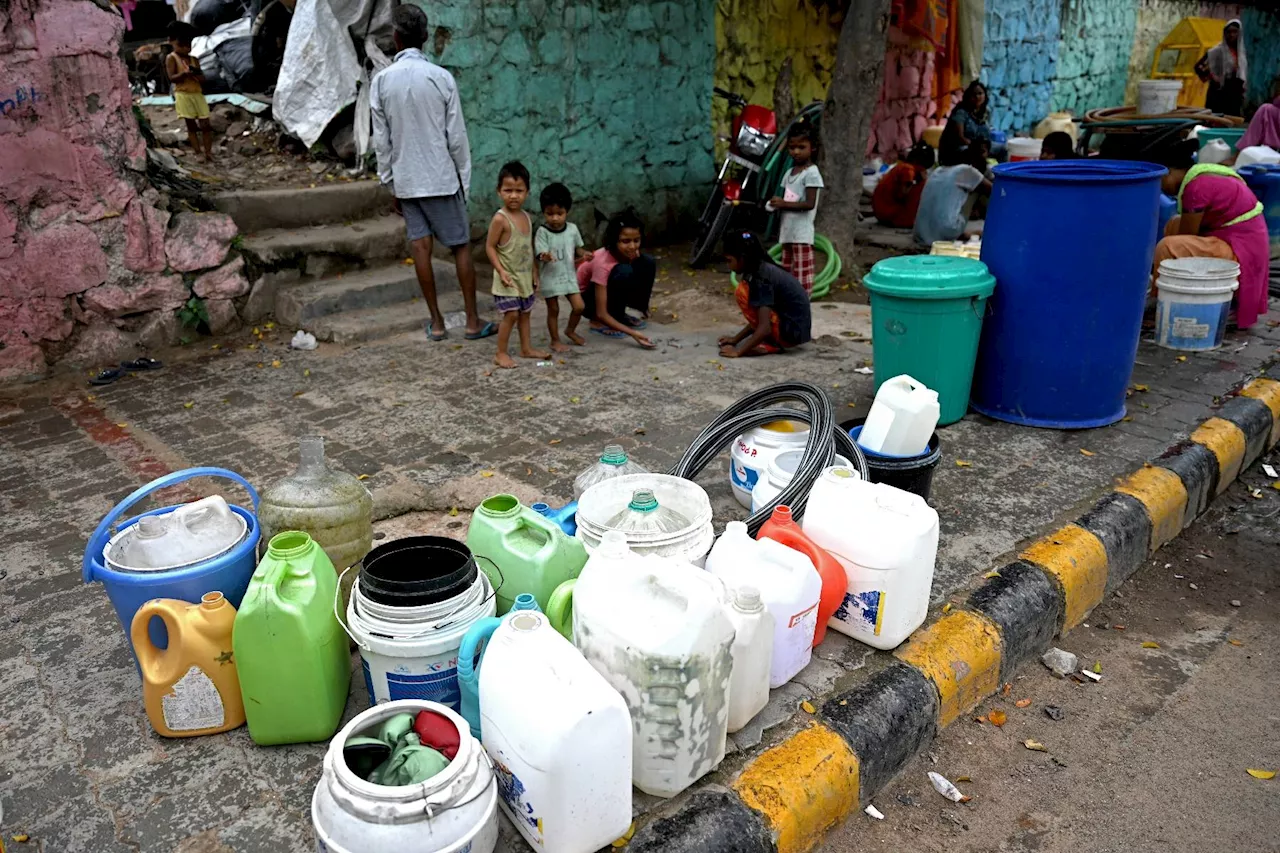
pixel 785 799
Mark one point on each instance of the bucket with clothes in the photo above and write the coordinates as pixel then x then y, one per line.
pixel 1194 302
pixel 412 602
pixel 179 552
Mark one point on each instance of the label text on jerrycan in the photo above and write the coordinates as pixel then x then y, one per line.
pixel 512 791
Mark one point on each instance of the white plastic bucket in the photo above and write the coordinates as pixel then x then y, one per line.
pixel 1024 148
pixel 455 811
pixel 1158 96
pixel 1194 301
pixel 752 452
pixel 412 652
pixel 605 500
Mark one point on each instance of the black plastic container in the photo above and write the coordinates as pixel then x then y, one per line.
pixel 417 570
pixel 910 473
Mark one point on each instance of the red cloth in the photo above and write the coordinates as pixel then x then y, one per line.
pixel 798 259
pixel 926 19
pixel 897 196
pixel 435 730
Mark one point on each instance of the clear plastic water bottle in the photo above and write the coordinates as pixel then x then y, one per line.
pixel 645 515
pixel 613 463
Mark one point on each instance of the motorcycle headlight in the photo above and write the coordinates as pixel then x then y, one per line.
pixel 752 142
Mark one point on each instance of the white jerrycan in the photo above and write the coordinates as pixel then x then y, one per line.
pixel 789 587
pixel 902 418
pixel 658 632
pixel 752 655
pixel 559 737
pixel 887 541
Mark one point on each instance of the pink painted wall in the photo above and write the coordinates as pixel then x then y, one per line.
pixel 906 106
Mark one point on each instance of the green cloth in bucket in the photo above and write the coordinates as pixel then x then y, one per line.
pixel 409 764
pixel 926 319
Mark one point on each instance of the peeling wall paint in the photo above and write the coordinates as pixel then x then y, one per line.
pixel 1262 47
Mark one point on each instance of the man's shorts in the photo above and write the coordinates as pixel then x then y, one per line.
pixel 441 216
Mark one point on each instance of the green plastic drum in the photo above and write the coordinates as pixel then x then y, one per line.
pixel 926 319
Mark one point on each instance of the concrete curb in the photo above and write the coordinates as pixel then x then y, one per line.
pixel 787 798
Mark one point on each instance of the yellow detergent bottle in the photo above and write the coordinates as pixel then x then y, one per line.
pixel 191 687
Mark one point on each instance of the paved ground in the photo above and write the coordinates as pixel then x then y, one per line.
pixel 434 428
pixel 1153 757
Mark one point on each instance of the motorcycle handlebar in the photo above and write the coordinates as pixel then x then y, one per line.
pixel 731 97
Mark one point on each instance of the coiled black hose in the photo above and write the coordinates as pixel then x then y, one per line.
pixel 826 439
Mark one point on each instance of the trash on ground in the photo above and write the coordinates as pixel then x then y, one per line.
pixel 1022 703
pixel 1091 675
pixel 997 718
pixel 1035 746
pixel 943 786
pixel 303 341
pixel 1269 471
pixel 1235 602
pixel 1261 774
pixel 865 371
pixel 874 812
pixel 1060 663
pixel 1054 713
pixel 1150 645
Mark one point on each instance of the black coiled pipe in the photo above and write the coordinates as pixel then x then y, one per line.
pixel 826 439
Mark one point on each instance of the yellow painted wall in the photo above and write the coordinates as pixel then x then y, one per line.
pixel 1155 19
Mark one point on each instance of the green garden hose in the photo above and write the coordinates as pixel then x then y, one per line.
pixel 822 281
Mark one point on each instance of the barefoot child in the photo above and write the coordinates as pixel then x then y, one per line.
pixel 188 95
pixel 617 277
pixel 773 303
pixel 510 250
pixel 799 205
pixel 558 245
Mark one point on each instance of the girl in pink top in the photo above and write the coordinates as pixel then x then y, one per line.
pixel 618 276
pixel 1219 217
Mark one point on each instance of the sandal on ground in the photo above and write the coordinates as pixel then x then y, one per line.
pixel 106 377
pixel 143 363
pixel 486 331
pixel 434 335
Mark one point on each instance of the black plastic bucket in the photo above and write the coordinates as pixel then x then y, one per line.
pixel 910 473
pixel 417 570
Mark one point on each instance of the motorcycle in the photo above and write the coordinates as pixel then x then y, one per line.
pixel 749 176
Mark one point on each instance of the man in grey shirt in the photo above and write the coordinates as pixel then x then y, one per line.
pixel 420 141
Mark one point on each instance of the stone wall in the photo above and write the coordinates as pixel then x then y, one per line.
pixel 1093 60
pixel 906 105
pixel 1262 47
pixel 91 264
pixel 1020 60
pixel 610 97
pixel 1154 21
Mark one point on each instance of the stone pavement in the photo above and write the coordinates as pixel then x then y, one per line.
pixel 434 428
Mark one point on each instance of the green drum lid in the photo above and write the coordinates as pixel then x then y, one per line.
pixel 930 277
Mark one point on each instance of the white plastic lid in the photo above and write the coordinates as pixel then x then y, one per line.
pixel 747 599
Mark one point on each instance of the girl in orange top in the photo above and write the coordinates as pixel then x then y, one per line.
pixel 897 196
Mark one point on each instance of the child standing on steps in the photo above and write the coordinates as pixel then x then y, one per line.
pixel 510 250
pixel 188 93
pixel 799 205
pixel 558 244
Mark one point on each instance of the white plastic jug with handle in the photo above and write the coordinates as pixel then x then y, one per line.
pixel 902 418
pixel 658 632
pixel 789 587
pixel 559 737
pixel 752 654
pixel 887 541
pixel 193 532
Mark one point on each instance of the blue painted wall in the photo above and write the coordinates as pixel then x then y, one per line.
pixel 1020 60
pixel 1262 47
pixel 1093 59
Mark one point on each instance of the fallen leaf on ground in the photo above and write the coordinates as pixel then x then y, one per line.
pixel 189 404
pixel 555 441
pixel 946 608
pixel 453 512
pixel 275 363
pixel 807 707
pixel 306 372
pixel 1035 746
pixel 1097 667
pixel 963 779
pixel 528 398
pixel 1118 627
pixel 1150 645
pixel 997 718
pixel 486 474
pixel 1182 358
pixel 1022 703
pixel 1084 452
pixel 363 477
pixel 22 838
pixel 963 463
pixel 990 575
pixel 300 393
pixel 1257 774
pixel 575 400
pixel 1235 642
pixel 122 425
pixel 1142 387
pixel 1007 689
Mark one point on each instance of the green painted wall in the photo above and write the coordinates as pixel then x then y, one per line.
pixel 1093 60
pixel 611 97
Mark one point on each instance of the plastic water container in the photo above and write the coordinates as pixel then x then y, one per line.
pixel 565 516
pixel 1024 148
pixel 787 584
pixel 294 662
pixel 1215 152
pixel 455 811
pixel 1256 155
pixel 192 533
pixel 1264 180
pixel 754 450
pixel 409 650
pixel 782 527
pixel 1194 301
pixel 1057 122
pixel 887 541
pixel 902 418
pixel 779 475
pixel 522 550
pixel 606 501
pixel 1156 97
pixel 227 572
pixel 752 652
pixel 559 737
pixel 657 631
pixel 613 463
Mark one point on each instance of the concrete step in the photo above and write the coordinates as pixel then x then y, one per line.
pixel 369 324
pixel 322 249
pixel 262 210
pixel 300 304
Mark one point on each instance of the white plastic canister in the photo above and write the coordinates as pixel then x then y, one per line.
pixel 658 632
pixel 559 737
pixel 412 652
pixel 754 450
pixel 887 541
pixel 752 656
pixel 902 418
pixel 778 477
pixel 789 587
pixel 455 811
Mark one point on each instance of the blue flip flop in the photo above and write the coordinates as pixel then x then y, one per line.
pixel 608 333
pixel 486 331
pixel 433 335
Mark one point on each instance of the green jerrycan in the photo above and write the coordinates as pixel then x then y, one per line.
pixel 290 651
pixel 522 551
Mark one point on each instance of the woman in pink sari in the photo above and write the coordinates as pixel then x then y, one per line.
pixel 1218 217
pixel 1264 127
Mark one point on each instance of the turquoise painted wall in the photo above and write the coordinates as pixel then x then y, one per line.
pixel 613 98
pixel 1093 59
pixel 1262 47
pixel 1019 60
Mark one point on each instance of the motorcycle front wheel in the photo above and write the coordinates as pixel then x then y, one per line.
pixel 711 229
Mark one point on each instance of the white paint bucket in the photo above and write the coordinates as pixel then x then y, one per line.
pixel 1024 148
pixel 1194 302
pixel 455 811
pixel 412 652
pixel 1158 96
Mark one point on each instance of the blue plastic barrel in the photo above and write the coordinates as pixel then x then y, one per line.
pixel 1069 242
pixel 1168 207
pixel 1264 180
pixel 228 573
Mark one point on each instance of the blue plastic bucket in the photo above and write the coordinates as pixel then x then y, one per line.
pixel 227 573
pixel 1264 180
pixel 1069 242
